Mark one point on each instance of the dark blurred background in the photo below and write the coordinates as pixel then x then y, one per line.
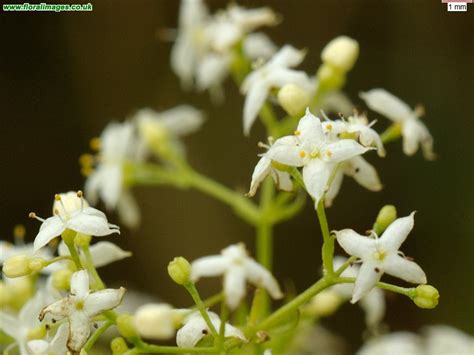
pixel 64 76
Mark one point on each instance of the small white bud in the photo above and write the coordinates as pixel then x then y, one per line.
pixel 341 52
pixel 157 320
pixel 293 99
pixel 18 265
pixel 323 304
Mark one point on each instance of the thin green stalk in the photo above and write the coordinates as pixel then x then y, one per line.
pixel 191 288
pixel 97 335
pixel 267 117
pixel 89 264
pixel 328 241
pixel 346 264
pixel 68 237
pixel 264 227
pixel 145 348
pixel 409 292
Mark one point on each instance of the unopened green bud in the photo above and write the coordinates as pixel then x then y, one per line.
pixel 293 99
pixel 82 240
pixel 37 264
pixel 386 216
pixel 330 78
pixel 16 266
pixel 125 326
pixel 426 296
pixel 179 270
pixel 118 346
pixel 62 279
pixel 323 304
pixel 342 53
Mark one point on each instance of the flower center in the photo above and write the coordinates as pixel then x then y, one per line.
pixel 380 255
pixel 80 305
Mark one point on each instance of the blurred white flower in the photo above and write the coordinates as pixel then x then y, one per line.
pixel 414 131
pixel 57 345
pixel 258 46
pixel 237 267
pixel 394 343
pixel 195 328
pixel 381 255
pixel 158 320
pixel 317 154
pixel 274 74
pixel 446 340
pixel 80 306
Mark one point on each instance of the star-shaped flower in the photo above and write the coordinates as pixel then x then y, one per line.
pixel 311 149
pixel 80 306
pixel 274 74
pixel 237 267
pixel 195 328
pixel 381 255
pixel 57 345
pixel 77 217
pixel 414 131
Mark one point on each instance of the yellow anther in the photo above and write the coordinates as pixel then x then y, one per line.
pixel 19 231
pixel 379 255
pixel 302 153
pixel 329 153
pixel 329 126
pixel 56 211
pixel 79 194
pixel 57 197
pixel 86 160
pixel 86 171
pixel 297 133
pixel 95 143
pixel 32 215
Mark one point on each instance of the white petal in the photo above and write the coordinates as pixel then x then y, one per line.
pixel 286 150
pixel 310 129
pixel 104 253
pixel 111 183
pixel 258 46
pixel 193 330
pixel 261 277
pixel 208 266
pixel 334 188
pixel 181 120
pixel 404 269
pixel 58 344
pixel 364 173
pixel 183 59
pixel 103 300
pixel 337 101
pixel 59 309
pixel 250 19
pixel 79 331
pixel 212 70
pixel 288 57
pixel 280 77
pixel 128 210
pixel 316 176
pixel 282 180
pixel 91 222
pixel 373 305
pixel 50 229
pixel 262 169
pixel 80 284
pixel 354 243
pixel 366 280
pixel 397 232
pixel 10 325
pixel 415 133
pixel 386 104
pixel 234 286
pixel 30 311
pixel 254 101
pixel 342 150
pixel 38 347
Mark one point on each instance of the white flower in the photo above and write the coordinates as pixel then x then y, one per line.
pixel 273 74
pixel 317 154
pixel 258 46
pixel 22 326
pixel 80 306
pixel 118 144
pixel 394 343
pixel 57 345
pixel 81 219
pixel 237 267
pixel 414 131
pixel 381 255
pixel 195 328
pixel 158 320
pixel 446 340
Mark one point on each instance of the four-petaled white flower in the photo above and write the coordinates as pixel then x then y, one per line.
pixel 119 143
pixel 80 306
pixel 78 218
pixel 274 74
pixel 237 267
pixel 381 255
pixel 311 149
pixel 195 328
pixel 21 327
pixel 57 345
pixel 414 131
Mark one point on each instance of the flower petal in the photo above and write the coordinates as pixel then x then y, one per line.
pixel 260 276
pixel 10 325
pixel 288 56
pixel 354 243
pixel 104 253
pixel 38 347
pixel 286 150
pixel 181 120
pixel 29 312
pixel 58 344
pixel 79 331
pixel 258 46
pixel 386 104
pixel 91 222
pixel 128 210
pixel 80 284
pixel 404 269
pixel 193 330
pixel 364 173
pixel 310 129
pixel 334 188
pixel 316 176
pixel 234 286
pixel 366 279
pixel 212 70
pixel 103 300
pixel 342 150
pixel 373 305
pixel 262 169
pixel 208 266
pixel 256 96
pixel 59 309
pixel 282 180
pixel 397 232
pixel 50 229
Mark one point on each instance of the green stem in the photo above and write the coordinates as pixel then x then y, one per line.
pixel 56 259
pixel 68 237
pixel 96 335
pixel 392 133
pixel 267 116
pixel 409 292
pixel 264 227
pixel 191 288
pixel 145 348
pixel 346 264
pixel 89 264
pixel 328 241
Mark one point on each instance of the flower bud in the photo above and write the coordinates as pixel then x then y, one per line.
pixel 36 264
pixel 341 53
pixel 18 265
pixel 62 279
pixel 386 216
pixel 125 326
pixel 157 320
pixel 118 346
pixel 330 78
pixel 293 99
pixel 426 296
pixel 323 304
pixel 179 270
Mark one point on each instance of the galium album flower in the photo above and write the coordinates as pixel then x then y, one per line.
pixel 158 320
pixel 80 306
pixel 195 328
pixel 414 131
pixel 311 149
pixel 57 345
pixel 237 267
pixel 381 255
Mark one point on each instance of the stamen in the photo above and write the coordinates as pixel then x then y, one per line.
pixel 302 154
pixel 95 144
pixel 57 197
pixel 56 213
pixel 420 110
pixel 19 234
pixel 33 215
pixel 297 133
pixel 329 126
pixel 326 117
pixel 81 196
pixel 263 145
pixel 372 123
